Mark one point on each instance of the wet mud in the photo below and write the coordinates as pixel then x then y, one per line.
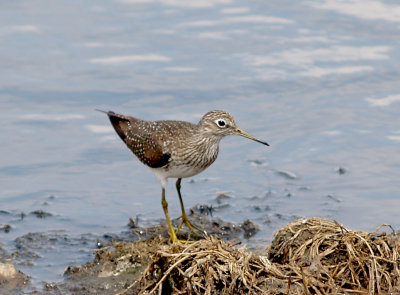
pixel 307 256
pixel 120 259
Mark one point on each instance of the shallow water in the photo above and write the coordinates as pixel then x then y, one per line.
pixel 318 80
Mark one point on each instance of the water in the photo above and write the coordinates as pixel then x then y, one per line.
pixel 318 80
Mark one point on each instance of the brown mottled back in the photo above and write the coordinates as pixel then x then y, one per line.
pixel 138 136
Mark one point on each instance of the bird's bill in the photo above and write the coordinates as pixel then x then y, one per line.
pixel 240 132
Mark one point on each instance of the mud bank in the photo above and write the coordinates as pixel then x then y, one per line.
pixel 93 277
pixel 308 256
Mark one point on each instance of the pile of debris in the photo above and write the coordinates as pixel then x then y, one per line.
pixel 308 256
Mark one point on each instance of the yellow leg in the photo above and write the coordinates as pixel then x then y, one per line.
pixel 172 234
pixel 185 219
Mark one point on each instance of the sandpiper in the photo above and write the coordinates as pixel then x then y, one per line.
pixel 176 149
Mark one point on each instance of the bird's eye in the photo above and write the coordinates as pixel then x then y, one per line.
pixel 221 123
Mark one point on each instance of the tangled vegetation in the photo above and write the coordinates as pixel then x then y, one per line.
pixel 308 256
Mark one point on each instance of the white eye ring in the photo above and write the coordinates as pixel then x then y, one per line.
pixel 220 123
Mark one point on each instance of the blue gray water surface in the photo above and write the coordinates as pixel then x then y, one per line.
pixel 318 80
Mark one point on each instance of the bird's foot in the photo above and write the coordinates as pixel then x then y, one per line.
pixel 173 239
pixel 185 220
pixel 178 241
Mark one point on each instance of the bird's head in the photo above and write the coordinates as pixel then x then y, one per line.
pixel 220 124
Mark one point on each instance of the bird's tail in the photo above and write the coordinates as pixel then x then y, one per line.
pixel 105 112
pixel 119 122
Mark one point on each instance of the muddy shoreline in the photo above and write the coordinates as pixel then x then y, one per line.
pixel 307 256
pixel 97 276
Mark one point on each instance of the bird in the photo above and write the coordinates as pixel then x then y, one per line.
pixel 176 149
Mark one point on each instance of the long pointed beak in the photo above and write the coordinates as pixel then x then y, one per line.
pixel 240 132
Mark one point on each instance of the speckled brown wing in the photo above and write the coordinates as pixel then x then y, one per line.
pixel 138 136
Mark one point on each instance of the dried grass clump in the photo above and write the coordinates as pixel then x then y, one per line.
pixel 327 258
pixel 209 266
pixel 308 256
